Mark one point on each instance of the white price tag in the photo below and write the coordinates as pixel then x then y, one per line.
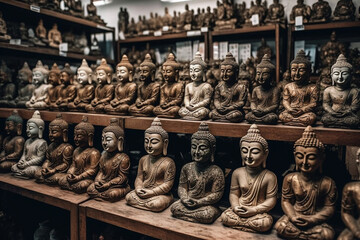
pixel 63 47
pixel 94 48
pixel 204 29
pixel 35 8
pixel 299 25
pixel 146 32
pixel 121 35
pixel 102 27
pixel 165 28
pixel 157 33
pixel 193 33
pixel 255 19
pixel 63 54
pixel 15 41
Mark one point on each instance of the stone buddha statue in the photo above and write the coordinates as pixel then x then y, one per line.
pixel 344 10
pixel 85 160
pixel 40 33
pixel 156 172
pixel 341 102
pixel 230 96
pixel 7 87
pixel 34 149
pixel 167 18
pixel 76 8
pixel 92 13
pixel 201 183
pixel 299 97
pixel 276 13
pixel 67 91
pixel 54 37
pixel 321 11
pixel 111 182
pixel 300 9
pixel 53 92
pixel 253 188
pixel 125 90
pixel 265 97
pixel 331 50
pixel 308 197
pixel 198 93
pixel 256 9
pixel 85 90
pixel 13 143
pixel 104 92
pixel 262 50
pixel 148 90
pixel 25 87
pixel 58 155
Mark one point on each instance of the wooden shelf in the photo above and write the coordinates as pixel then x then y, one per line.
pixel 330 25
pixel 170 36
pixel 244 30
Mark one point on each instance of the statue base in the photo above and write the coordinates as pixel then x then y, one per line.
pixel 225 24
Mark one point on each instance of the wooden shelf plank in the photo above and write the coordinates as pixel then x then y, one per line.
pixel 158 38
pixel 245 30
pixel 330 25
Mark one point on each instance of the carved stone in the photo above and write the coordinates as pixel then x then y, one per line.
pixel 276 13
pixel 225 18
pixel 92 13
pixel 25 87
pixel 67 91
pixel 256 9
pixel 331 50
pixel 54 37
pixel 344 11
pixel 3 30
pixel 300 9
pixel 76 8
pixel 321 11
pixel 262 50
pixel 7 87
pixel 54 89
pixel 40 33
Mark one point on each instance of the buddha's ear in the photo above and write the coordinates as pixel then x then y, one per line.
pixel 91 139
pixel 19 129
pixel 130 76
pixel 41 131
pixel 108 79
pixel 165 146
pixel 266 156
pixel 65 135
pixel 90 78
pixel 121 144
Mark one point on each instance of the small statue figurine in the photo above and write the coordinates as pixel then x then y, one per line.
pixel 308 198
pixel 34 149
pixel 104 92
pixel 85 160
pixel 276 13
pixel 262 50
pixel 229 96
pixel 299 97
pixel 25 87
pixel 54 89
pixel 172 91
pixel 67 91
pixel 76 9
pixel 3 30
pixel 167 19
pixel 201 183
pixel 225 18
pixel 40 32
pixel 92 13
pixel 58 155
pixel 321 11
pixel 125 91
pixel 256 9
pixel 331 50
pixel 300 9
pixel 253 188
pixel 265 97
pixel 148 91
pixel 198 93
pixel 111 182
pixel 54 37
pixel 344 11
pixel 156 172
pixel 186 19
pixel 13 143
pixel 7 87
pixel 341 102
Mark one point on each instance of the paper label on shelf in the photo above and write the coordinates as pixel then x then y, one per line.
pixel 158 33
pixel 193 33
pixel 94 47
pixel 255 19
pixel 102 27
pixel 121 35
pixel 204 29
pixel 146 32
pixel 165 28
pixel 63 54
pixel 35 8
pixel 299 25
pixel 15 41
pixel 244 51
pixel 63 47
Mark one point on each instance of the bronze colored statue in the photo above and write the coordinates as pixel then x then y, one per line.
pixel 198 93
pixel 67 91
pixel 256 9
pixel 76 8
pixel 225 18
pixel 40 33
pixel 25 87
pixel 341 102
pixel 92 13
pixel 299 97
pixel 111 182
pixel 253 188
pixel 7 87
pixel 308 197
pixel 3 30
pixel 344 11
pixel 186 20
pixel 331 50
pixel 156 172
pixel 34 149
pixel 85 160
pixel 262 50
pixel 125 91
pixel 54 37
pixel 54 89
pixel 276 13
pixel 167 19
pixel 321 11
pixel 229 96
pixel 300 9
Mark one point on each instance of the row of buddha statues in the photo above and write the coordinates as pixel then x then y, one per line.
pixel 308 197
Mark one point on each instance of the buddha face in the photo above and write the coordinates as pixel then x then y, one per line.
pixel 200 150
pixel 227 73
pixel 153 144
pixel 341 76
pixel 109 141
pixel 122 73
pixel 32 130
pixel 82 77
pixel 253 154
pixel 23 77
pixel 10 127
pixel 81 138
pixel 299 72
pixel 55 133
pixel 53 79
pixel 101 76
pixel 263 75
pixel 196 72
pixel 169 73
pixel 145 73
pixel 64 78
pixel 307 159
pixel 38 78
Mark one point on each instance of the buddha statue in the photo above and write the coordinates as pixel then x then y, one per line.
pixel 76 8
pixel 300 9
pixel 321 11
pixel 13 144
pixel 67 91
pixel 256 9
pixel 198 93
pixel 299 97
pixel 229 96
pixel 276 13
pixel 262 50
pixel 40 33
pixel 125 90
pixel 344 11
pixel 253 188
pixel 286 78
pixel 187 19
pixel 54 89
pixel 85 90
pixel 265 97
pixel 85 160
pixel 208 18
pixel 104 92
pixel 111 182
pixel 201 183
pixel 92 13
pixel 331 50
pixel 148 90
pixel 7 87
pixel 58 155
pixel 341 102
pixel 156 172
pixel 132 32
pixel 54 37
pixel 3 29
pixel 34 149
pixel 308 197
pixel 167 18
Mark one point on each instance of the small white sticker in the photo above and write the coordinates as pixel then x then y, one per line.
pixel 121 35
pixel 193 33
pixel 63 54
pixel 15 41
pixel 204 29
pixel 299 21
pixel 35 8
pixel 146 32
pixel 157 33
pixel 255 19
pixel 63 47
pixel 165 28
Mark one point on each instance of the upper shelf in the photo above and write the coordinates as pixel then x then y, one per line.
pixel 244 30
pixel 169 36
pixel 327 26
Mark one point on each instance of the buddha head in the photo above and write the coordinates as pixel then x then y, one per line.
pixel 58 129
pixel 147 69
pixel 124 70
pixel 66 75
pixel 265 71
pixel 84 133
pixel 197 68
pixel 25 74
pixel 156 139
pixel 113 137
pixel 300 68
pixel 35 126
pixel 40 74
pixel 170 69
pixel 229 69
pixel 13 124
pixel 104 73
pixel 84 73
pixel 203 145
pixel 341 72
pixel 54 75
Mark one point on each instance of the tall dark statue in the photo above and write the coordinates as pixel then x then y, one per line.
pixel 300 9
pixel 7 87
pixel 25 87
pixel 67 91
pixel 53 92
pixel 344 11
pixel 321 11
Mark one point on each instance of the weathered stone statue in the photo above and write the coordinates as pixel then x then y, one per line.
pixel 92 13
pixel 54 89
pixel 40 33
pixel 265 97
pixel 344 10
pixel 3 30
pixel 341 102
pixel 321 11
pixel 300 9
pixel 13 143
pixel 276 13
pixel 167 19
pixel 58 155
pixel 186 20
pixel 209 18
pixel 308 197
pixel 54 37
pixel 7 87
pixel 299 97
pixel 229 96
pixel 25 87
pixel 67 91
pixel 198 93
pixel 34 149
pixel 262 50
pixel 76 8
pixel 201 183
pixel 111 182
pixel 85 160
pixel 225 18
pixel 156 172
pixel 256 9
pixel 331 50
pixel 148 90
pixel 125 91
pixel 253 188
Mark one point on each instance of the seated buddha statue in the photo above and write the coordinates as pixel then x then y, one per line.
pixel 25 87
pixel 299 97
pixel 172 91
pixel 256 9
pixel 201 183
pixel 34 149
pixel 308 197
pixel 85 160
pixel 67 91
pixel 111 182
pixel 54 37
pixel 13 143
pixel 341 102
pixel 230 96
pixel 148 90
pixel 104 92
pixel 344 10
pixel 265 97
pixel 54 89
pixel 321 11
pixel 300 9
pixel 58 155
pixel 253 188
pixel 125 90
pixel 276 13
pixel 156 172
pixel 7 87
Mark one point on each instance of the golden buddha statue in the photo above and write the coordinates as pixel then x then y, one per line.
pixel 67 91
pixel 54 37
pixel 53 92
